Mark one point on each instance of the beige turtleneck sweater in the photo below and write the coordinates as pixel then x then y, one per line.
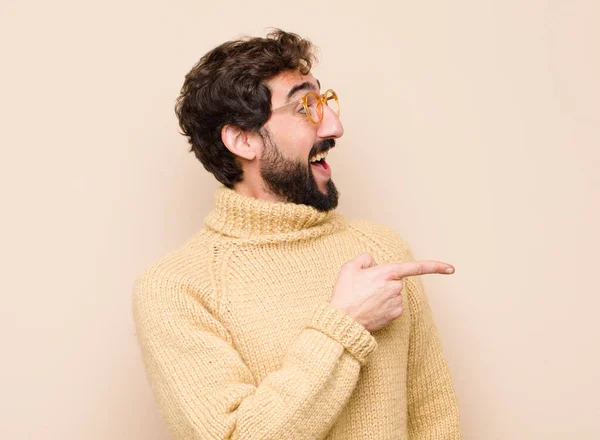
pixel 240 341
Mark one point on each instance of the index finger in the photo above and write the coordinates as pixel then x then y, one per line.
pixel 419 267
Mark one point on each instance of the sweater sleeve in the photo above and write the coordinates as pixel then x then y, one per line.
pixel 432 406
pixel 205 390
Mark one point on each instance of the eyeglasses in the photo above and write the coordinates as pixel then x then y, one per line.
pixel 312 105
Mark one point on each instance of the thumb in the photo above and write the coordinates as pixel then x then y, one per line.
pixel 364 261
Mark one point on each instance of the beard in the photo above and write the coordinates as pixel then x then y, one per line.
pixel 293 180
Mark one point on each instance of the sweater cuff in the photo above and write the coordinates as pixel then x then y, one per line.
pixel 342 328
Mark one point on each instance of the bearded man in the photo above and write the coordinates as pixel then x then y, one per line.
pixel 280 318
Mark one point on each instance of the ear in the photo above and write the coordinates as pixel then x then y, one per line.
pixel 238 141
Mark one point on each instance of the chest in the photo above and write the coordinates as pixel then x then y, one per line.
pixel 270 293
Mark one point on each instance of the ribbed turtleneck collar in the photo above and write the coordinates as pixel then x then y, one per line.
pixel 236 215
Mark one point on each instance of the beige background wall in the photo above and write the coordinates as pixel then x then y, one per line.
pixel 472 127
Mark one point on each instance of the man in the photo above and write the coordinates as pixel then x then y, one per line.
pixel 280 319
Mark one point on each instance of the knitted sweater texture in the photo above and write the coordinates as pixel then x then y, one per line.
pixel 240 340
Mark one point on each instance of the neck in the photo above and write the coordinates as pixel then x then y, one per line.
pixel 239 215
pixel 256 192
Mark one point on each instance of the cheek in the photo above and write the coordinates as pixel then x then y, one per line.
pixel 302 143
pixel 295 139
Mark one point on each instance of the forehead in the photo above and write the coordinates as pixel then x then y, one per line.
pixel 282 83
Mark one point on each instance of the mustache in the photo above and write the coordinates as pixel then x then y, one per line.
pixel 324 145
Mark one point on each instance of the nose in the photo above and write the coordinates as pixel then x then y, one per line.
pixel 331 126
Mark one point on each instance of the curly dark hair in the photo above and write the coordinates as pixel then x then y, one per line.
pixel 227 86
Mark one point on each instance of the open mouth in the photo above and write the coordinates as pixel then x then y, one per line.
pixel 318 160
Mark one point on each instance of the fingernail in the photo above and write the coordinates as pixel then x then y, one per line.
pixel 450 270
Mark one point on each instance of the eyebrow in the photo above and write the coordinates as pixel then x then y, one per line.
pixel 306 85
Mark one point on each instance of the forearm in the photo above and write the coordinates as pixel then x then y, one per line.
pixel 304 397
pixel 206 392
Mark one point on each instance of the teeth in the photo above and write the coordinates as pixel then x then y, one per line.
pixel 319 156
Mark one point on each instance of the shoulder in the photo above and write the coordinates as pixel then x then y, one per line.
pixel 186 271
pixel 382 237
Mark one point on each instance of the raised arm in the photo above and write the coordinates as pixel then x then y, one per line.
pixel 205 390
